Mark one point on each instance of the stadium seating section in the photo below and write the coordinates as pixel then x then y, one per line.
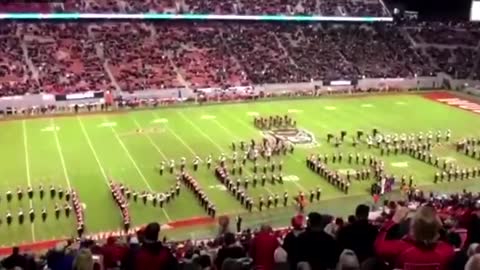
pixel 247 7
pixel 263 248
pixel 75 57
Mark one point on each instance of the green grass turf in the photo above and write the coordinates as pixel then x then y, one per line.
pixel 84 154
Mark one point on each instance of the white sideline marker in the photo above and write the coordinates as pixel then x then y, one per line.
pixel 160 120
pixel 208 117
pixel 50 129
pixel 330 108
pixel 108 124
pixel 400 103
pixel 367 105
pixel 399 164
pixel 294 111
pixel 253 113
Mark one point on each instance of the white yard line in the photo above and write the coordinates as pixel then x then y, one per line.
pixel 60 153
pixel 233 135
pixel 124 147
pixel 89 142
pixel 135 165
pixel 178 138
pixel 29 179
pixel 199 130
pixel 150 140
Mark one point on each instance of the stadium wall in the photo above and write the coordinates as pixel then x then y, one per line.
pixel 27 101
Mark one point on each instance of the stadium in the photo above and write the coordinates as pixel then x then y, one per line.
pixel 251 134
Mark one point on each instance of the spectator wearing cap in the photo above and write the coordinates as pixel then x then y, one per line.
pixel 317 247
pixel 421 247
pixel 360 235
pixel 263 247
pixel 230 249
pixel 290 243
pixel 152 254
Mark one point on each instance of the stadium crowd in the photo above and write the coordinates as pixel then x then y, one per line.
pixel 427 232
pixel 74 57
pixel 246 7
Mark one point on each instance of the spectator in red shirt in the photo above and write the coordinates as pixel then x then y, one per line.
pixel 152 255
pixel 113 253
pixel 263 247
pixel 421 248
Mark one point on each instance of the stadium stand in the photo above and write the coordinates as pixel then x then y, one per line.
pixel 77 57
pixel 374 8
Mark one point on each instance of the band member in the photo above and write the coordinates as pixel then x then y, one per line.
pixel 260 204
pixel 41 191
pixel 44 214
pixel 30 192
pixel 31 213
pixel 209 161
pixel 275 200
pixel 20 217
pixel 8 217
pixel 19 193
pixel 52 191
pixel 67 208
pixel 57 211
pixel 9 196
pixel 162 168
pixel 318 193
pixel 60 193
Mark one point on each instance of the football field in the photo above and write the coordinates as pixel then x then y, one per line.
pixel 85 152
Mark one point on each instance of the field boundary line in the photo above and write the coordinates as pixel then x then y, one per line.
pixel 60 152
pixel 150 139
pixel 89 142
pixel 29 179
pixel 177 137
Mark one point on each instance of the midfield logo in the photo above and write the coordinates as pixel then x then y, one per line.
pixel 299 137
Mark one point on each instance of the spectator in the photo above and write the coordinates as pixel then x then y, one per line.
pixel 348 261
pixel 473 263
pixel 59 258
pixel 360 235
pixel 83 260
pixel 421 247
pixel 230 250
pixel 263 247
pixel 152 254
pixel 317 247
pixel 14 260
pixel 112 253
pixel 290 243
